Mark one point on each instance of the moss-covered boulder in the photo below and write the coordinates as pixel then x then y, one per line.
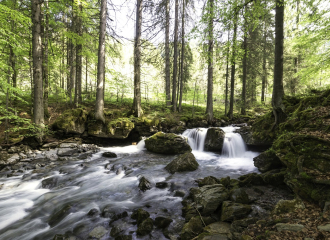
pixel 216 231
pixel 72 121
pixel 232 211
pixel 167 143
pixel 145 227
pixel 118 128
pixel 214 140
pixel 286 206
pixel 267 161
pixel 210 180
pixel 140 215
pixel 191 229
pixel 184 162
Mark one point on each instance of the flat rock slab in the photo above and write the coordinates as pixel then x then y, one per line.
pixel 98 232
pixel 289 227
pixel 66 151
pixel 68 145
pixel 324 228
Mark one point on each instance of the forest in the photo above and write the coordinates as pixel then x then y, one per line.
pixel 165 119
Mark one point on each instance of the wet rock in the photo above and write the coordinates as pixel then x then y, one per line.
pixel 240 225
pixel 286 206
pixel 66 151
pixel 191 229
pixel 210 180
pixel 274 177
pixel 93 212
pixel 214 140
pixel 267 161
pixel 49 183
pixel 184 162
pixel 324 228
pixel 252 142
pixel 144 184
pixel 210 197
pixel 8 159
pixel 289 227
pixel 108 211
pixel 239 196
pixel 50 145
pixel 167 143
pixel 161 185
pixel 124 237
pixel 250 179
pixel 118 216
pixel 115 231
pixel 140 215
pixel 162 222
pixel 216 231
pixel 98 232
pixel 59 215
pixel 227 182
pixel 109 155
pixel 179 193
pixel 232 211
pixel 145 227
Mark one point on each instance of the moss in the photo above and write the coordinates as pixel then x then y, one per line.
pixel 70 118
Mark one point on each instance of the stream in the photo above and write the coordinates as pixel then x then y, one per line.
pixel 110 187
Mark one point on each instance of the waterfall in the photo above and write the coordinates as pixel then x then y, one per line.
pixel 233 145
pixel 196 138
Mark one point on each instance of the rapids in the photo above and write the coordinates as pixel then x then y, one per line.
pixel 26 208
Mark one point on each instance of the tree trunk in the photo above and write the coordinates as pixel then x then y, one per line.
pixel 78 97
pixel 296 59
pixel 167 55
pixel 175 60
pixel 137 109
pixel 99 105
pixel 7 96
pixel 243 108
pixel 45 61
pixel 38 105
pixel 278 91
pixel 233 62
pixel 182 55
pixel 227 75
pixel 209 105
pixel 86 76
pixel 264 69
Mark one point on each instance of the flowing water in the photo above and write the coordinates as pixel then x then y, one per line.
pixel 26 209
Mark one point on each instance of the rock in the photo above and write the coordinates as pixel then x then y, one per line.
pixel 115 231
pixel 144 184
pixel 252 142
pixel 251 179
pixel 67 151
pixel 109 155
pixel 93 212
pixel 274 177
pixel 59 215
pixel 210 180
pixel 240 225
pixel 216 231
pixel 192 228
pixel 239 196
pixel 184 162
pixel 145 227
pixel 324 228
pixel 214 139
pixel 289 227
pixel 8 159
pixel 124 237
pixel 98 232
pixel 161 185
pixel 50 145
pixel 267 161
pixel 118 216
pixel 226 181
pixel 210 197
pixel 140 215
pixel 232 211
pixel 167 143
pixel 286 206
pixel 109 211
pixel 49 183
pixel 72 121
pixel 179 193
pixel 162 222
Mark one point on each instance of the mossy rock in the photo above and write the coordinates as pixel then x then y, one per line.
pixel 267 161
pixel 72 121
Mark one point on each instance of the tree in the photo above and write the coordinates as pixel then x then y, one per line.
pixel 278 91
pixel 38 104
pixel 99 105
pixel 137 109
pixel 182 55
pixel 209 105
pixel 167 55
pixel 78 98
pixel 175 58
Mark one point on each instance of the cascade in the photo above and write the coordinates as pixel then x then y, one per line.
pixel 196 138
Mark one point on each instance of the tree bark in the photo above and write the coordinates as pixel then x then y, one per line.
pixel 45 60
pixel 209 105
pixel 278 91
pixel 175 60
pixel 99 105
pixel 227 74
pixel 243 108
pixel 137 109
pixel 182 54
pixel 167 55
pixel 38 105
pixel 78 97
pixel 264 69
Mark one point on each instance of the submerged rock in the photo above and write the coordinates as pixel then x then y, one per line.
pixel 98 232
pixel 140 215
pixel 162 222
pixel 144 184
pixel 145 227
pixel 59 215
pixel 214 140
pixel 167 143
pixel 184 162
pixel 109 155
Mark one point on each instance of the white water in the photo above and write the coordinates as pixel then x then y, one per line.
pixel 25 207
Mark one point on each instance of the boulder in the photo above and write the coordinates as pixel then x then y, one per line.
pixel 162 222
pixel 289 227
pixel 232 211
pixel 251 141
pixel 49 183
pixel 109 155
pixel 324 228
pixel 192 228
pixel 184 162
pixel 98 232
pixel 145 227
pixel 210 197
pixel 8 159
pixel 214 140
pixel 286 206
pixel 240 225
pixel 210 180
pixel 144 184
pixel 140 215
pixel 216 231
pixel 167 143
pixel 267 161
pixel 161 185
pixel 239 196
pixel 59 215
pixel 72 121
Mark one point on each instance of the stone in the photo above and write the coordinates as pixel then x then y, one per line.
pixel 59 215
pixel 240 225
pixel 93 212
pixel 140 215
pixel 50 145
pixel 109 155
pixel 251 179
pixel 191 229
pixel 49 183
pixel 66 151
pixel 161 185
pixel 184 162
pixel 179 193
pixel 216 231
pixel 239 196
pixel 115 231
pixel 286 206
pixel 162 222
pixel 324 228
pixel 124 237
pixel 210 197
pixel 210 180
pixel 167 143
pixel 214 139
pixel 267 161
pixel 145 227
pixel 8 159
pixel 118 216
pixel 72 121
pixel 232 211
pixel 144 184
pixel 98 232
pixel 289 227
